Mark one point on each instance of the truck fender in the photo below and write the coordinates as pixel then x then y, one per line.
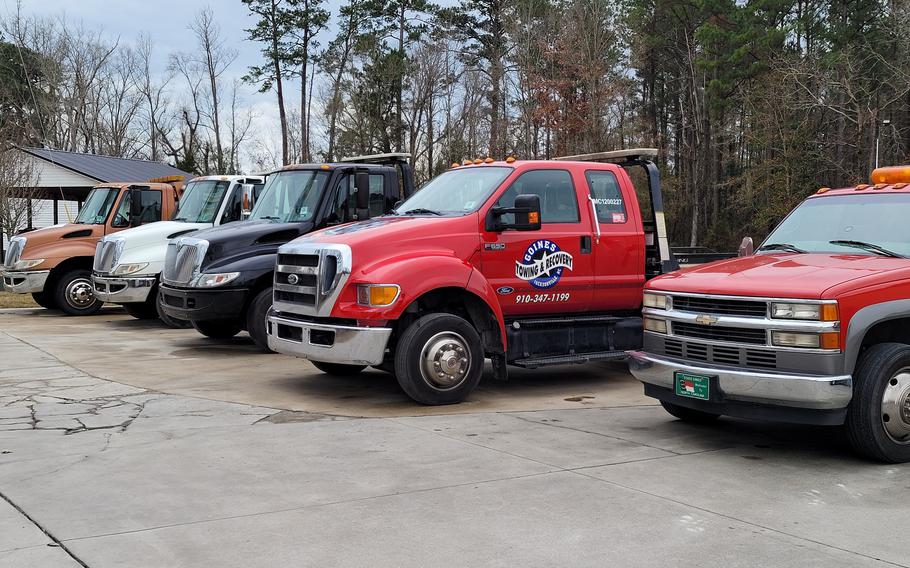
pixel 864 320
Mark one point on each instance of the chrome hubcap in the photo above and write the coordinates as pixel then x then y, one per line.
pixel 445 360
pixel 896 407
pixel 79 293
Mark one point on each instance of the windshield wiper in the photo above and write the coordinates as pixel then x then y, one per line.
pixel 271 218
pixel 421 211
pixel 869 247
pixel 179 219
pixel 787 247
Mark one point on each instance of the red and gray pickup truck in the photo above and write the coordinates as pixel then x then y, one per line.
pixel 527 263
pixel 814 327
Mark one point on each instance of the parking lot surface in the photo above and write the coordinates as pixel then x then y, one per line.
pixel 123 443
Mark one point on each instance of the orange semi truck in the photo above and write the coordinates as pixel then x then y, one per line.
pixel 54 264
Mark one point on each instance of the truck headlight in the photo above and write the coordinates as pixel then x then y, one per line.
pixel 801 311
pixel 829 340
pixel 655 325
pixel 377 295
pixel 26 264
pixel 214 280
pixel 657 301
pixel 130 268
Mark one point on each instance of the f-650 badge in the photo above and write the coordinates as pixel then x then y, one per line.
pixel 542 264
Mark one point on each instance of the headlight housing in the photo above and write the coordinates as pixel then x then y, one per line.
pixel 804 311
pixel 655 325
pixel 129 268
pixel 214 280
pixel 27 264
pixel 827 340
pixel 656 301
pixel 377 295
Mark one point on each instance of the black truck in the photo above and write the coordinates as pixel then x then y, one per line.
pixel 220 279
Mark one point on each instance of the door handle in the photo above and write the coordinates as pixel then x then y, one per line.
pixel 585 244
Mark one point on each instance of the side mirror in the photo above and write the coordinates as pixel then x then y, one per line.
pixel 362 185
pixel 747 247
pixel 135 207
pixel 526 211
pixel 247 200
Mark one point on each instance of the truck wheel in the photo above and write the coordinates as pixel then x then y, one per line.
pixel 689 414
pixel 45 300
pixel 74 294
pixel 439 359
pixel 878 418
pixel 338 369
pixel 217 329
pixel 255 318
pixel 172 323
pixel 141 311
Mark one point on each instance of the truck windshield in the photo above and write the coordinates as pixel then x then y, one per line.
pixel 201 201
pixel 455 192
pixel 97 206
pixel 873 224
pixel 290 196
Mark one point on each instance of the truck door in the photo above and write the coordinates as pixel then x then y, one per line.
pixel 545 271
pixel 150 200
pixel 343 204
pixel 619 245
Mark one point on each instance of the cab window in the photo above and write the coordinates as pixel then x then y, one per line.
pixel 233 207
pixel 151 208
pixel 607 196
pixel 346 194
pixel 558 201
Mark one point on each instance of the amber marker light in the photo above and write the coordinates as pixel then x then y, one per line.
pixel 510 159
pixel 830 340
pixel 822 190
pixel 891 174
pixel 325 166
pixel 880 186
pixel 829 312
pixel 488 161
pixel 455 164
pixel 862 186
pixel 898 186
pixel 534 218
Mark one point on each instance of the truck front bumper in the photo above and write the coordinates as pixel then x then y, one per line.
pixel 816 399
pixel 123 290
pixel 194 304
pixel 326 342
pixel 26 282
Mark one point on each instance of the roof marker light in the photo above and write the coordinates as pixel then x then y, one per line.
pixel 455 164
pixel 862 186
pixel 478 161
pixel 325 166
pixel 489 161
pixel 823 190
pixel 510 159
pixel 880 186
pixel 467 163
pixel 898 185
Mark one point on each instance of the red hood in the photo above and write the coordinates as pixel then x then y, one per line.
pixel 784 275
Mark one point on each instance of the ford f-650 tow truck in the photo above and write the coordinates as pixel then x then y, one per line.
pixel 528 263
pixel 814 327
pixel 220 279
pixel 128 264
pixel 54 264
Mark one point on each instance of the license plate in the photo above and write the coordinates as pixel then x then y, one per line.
pixel 692 386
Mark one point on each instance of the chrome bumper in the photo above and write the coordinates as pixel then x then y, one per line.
pixel 333 343
pixel 123 290
pixel 27 282
pixel 775 389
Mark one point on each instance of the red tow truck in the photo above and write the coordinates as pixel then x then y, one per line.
pixel 814 327
pixel 527 263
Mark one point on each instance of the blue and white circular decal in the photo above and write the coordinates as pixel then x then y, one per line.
pixel 542 264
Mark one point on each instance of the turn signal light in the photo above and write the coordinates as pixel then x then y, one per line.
pixel 891 174
pixel 534 217
pixel 830 340
pixel 377 295
pixel 830 312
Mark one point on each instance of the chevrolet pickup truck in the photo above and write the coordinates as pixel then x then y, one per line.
pixel 220 279
pixel 128 264
pixel 527 263
pixel 54 264
pixel 814 327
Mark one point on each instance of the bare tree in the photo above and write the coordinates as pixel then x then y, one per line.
pixel 17 190
pixel 154 94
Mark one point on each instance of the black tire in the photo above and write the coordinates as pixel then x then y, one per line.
pixel 217 329
pixel 74 293
pixel 689 414
pixel 141 310
pixel 45 300
pixel 448 340
pixel 337 369
pixel 255 319
pixel 169 321
pixel 882 371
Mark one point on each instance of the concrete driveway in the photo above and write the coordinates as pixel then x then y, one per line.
pixel 126 444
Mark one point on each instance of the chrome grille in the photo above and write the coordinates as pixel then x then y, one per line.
pixel 721 306
pixel 106 253
pixel 721 333
pixel 309 278
pixel 183 260
pixel 16 244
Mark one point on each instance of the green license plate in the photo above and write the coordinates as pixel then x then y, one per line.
pixel 692 386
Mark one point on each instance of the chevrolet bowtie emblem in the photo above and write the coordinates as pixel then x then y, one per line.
pixel 706 319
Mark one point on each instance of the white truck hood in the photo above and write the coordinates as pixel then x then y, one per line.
pixel 148 243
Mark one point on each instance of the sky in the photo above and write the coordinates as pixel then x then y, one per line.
pixel 166 22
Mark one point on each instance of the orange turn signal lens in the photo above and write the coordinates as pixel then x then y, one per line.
pixel 377 295
pixel 891 174
pixel 534 218
pixel 830 340
pixel 830 312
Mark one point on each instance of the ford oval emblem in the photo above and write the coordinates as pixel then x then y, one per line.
pixel 504 290
pixel 293 279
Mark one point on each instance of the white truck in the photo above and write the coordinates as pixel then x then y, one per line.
pixel 128 264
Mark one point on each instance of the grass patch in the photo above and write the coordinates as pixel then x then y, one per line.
pixel 10 300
